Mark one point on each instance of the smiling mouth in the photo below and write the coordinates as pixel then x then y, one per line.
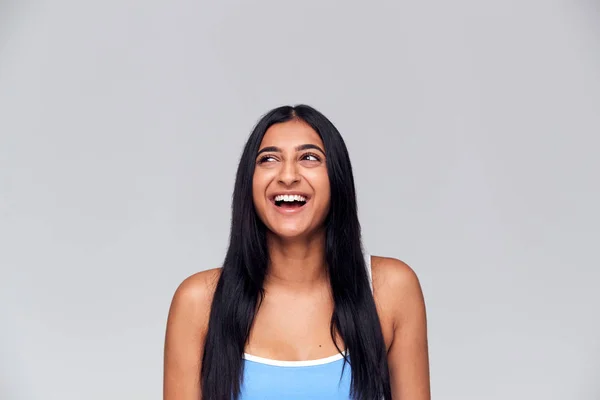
pixel 290 202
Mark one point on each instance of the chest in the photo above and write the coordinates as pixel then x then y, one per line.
pixel 318 379
pixel 293 327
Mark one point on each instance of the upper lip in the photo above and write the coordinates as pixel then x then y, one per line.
pixel 272 196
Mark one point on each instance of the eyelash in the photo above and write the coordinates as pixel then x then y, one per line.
pixel 312 155
pixel 266 157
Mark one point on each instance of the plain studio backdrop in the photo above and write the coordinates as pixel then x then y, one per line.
pixel 472 128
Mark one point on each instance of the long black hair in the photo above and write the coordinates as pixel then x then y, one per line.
pixel 239 290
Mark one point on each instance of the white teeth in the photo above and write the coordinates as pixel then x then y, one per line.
pixel 289 197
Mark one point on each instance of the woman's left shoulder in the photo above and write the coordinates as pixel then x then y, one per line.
pixel 393 271
pixel 395 282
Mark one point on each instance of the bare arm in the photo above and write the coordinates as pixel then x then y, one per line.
pixel 408 358
pixel 184 340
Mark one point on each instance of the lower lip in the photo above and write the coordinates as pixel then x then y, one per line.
pixel 290 210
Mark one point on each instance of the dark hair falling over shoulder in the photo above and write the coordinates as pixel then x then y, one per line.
pixel 240 288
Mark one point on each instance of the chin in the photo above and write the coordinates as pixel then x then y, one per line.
pixel 293 232
pixel 289 234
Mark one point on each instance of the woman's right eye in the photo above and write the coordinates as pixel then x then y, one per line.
pixel 266 159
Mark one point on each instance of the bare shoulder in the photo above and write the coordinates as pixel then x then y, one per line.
pixel 193 297
pixel 393 274
pixel 396 286
pixel 398 294
pixel 187 325
pixel 199 286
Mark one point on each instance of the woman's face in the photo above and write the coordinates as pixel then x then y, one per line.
pixel 290 185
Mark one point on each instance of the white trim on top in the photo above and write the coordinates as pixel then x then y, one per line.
pixel 281 363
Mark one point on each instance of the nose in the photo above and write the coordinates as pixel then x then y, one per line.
pixel 288 174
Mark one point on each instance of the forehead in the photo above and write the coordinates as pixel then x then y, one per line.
pixel 290 134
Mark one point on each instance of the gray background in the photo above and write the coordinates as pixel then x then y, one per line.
pixel 472 127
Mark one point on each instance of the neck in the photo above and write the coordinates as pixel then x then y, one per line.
pixel 298 263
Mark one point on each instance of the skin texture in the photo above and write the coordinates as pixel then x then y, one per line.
pixel 293 320
pixel 286 169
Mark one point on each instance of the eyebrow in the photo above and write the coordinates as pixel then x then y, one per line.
pixel 302 147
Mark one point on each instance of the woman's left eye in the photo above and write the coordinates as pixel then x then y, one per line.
pixel 310 157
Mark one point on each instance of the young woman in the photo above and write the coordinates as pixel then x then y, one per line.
pixel 297 311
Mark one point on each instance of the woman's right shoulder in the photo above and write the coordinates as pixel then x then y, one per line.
pixel 197 290
pixel 187 325
pixel 193 297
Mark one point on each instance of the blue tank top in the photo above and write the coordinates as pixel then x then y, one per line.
pixel 266 379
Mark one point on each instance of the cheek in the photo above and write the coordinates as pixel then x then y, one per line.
pixel 322 187
pixel 256 190
pixel 259 187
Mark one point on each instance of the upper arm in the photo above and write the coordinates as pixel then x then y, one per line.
pixel 408 358
pixel 187 324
